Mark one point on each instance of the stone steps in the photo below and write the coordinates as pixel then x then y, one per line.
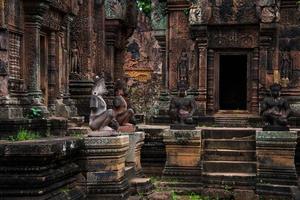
pixel 229 179
pixel 228 154
pixel 229 166
pixel 234 144
pixel 223 133
pixel 232 121
pixel 229 158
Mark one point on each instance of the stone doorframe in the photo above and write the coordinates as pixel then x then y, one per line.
pixel 215 40
pixel 216 76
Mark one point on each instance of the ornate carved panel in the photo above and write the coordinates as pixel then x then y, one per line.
pixel 14 55
pixel 52 20
pixel 233 38
pixel 224 12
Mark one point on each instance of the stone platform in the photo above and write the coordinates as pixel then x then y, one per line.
pixel 276 170
pixel 183 148
pixel 40 169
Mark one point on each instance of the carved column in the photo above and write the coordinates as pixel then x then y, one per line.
pixel 110 56
pixel 100 31
pixel 68 20
pixel 211 83
pixel 200 34
pixel 34 11
pixel 52 71
pixel 255 82
pixel 112 27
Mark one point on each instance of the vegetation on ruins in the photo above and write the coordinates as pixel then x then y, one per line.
pixel 24 135
pixel 145 6
pixel 35 113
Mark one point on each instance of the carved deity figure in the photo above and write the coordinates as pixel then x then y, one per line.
pixel 275 110
pixel 100 117
pixel 182 108
pixel 183 70
pixel 286 65
pixel 122 113
pixel 74 58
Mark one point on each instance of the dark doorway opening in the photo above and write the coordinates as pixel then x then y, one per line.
pixel 233 82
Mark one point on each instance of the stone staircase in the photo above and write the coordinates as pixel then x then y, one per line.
pixel 229 121
pixel 229 158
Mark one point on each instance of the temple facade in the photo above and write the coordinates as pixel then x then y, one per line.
pixel 228 52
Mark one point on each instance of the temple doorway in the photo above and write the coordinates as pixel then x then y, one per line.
pixel 233 82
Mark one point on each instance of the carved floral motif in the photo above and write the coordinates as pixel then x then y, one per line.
pixel 233 38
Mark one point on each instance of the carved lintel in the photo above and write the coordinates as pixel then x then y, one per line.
pixel 238 38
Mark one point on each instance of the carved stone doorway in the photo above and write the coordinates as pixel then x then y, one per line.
pixel 233 81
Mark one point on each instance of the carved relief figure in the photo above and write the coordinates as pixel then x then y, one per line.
pixel 182 70
pixel 74 58
pixel 286 66
pixel 100 117
pixel 275 110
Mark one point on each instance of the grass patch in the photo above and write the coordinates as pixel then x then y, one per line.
pixel 24 135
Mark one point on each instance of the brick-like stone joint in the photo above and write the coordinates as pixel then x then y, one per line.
pixel 276 171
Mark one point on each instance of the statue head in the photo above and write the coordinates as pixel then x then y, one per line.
pixel 275 90
pixel 120 88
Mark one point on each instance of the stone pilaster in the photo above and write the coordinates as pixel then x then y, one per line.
pixel 183 148
pixel 276 171
pixel 199 34
pixel 52 71
pixel 104 167
pixel 34 11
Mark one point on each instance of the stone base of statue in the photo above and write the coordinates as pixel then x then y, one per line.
pixel 104 167
pixel 183 126
pixel 276 171
pixel 128 128
pixel 104 132
pixel 183 149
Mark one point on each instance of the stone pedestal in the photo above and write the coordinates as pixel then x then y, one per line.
pixel 183 148
pixel 104 167
pixel 40 169
pixel 133 158
pixel 276 172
